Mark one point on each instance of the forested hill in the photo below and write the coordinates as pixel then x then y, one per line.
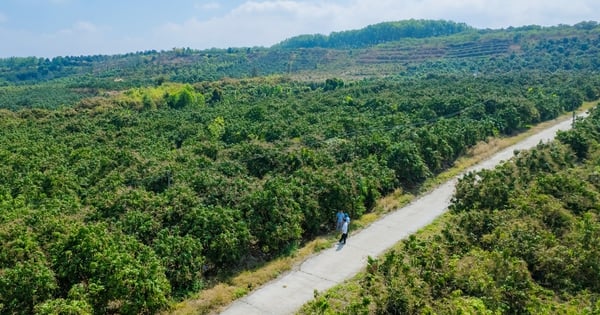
pixel 405 47
pixel 376 34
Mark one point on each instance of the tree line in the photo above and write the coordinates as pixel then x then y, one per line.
pixel 377 34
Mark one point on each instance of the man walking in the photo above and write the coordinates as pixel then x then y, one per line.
pixel 344 232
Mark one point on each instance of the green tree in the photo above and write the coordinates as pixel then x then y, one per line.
pixel 182 259
pixel 217 128
pixel 25 285
pixel 407 163
pixel 223 233
pixel 117 272
pixel 333 83
pixel 275 216
pixel 26 277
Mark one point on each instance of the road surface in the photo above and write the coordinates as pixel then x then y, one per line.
pixel 286 294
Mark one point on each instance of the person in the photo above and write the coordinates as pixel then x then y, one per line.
pixel 339 220
pixel 347 217
pixel 344 232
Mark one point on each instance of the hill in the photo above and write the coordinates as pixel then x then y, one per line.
pixel 408 48
pixel 130 182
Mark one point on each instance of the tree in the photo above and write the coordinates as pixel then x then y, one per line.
pixel 577 140
pixel 26 278
pixel 216 96
pixel 25 285
pixel 333 83
pixel 184 97
pixel 407 163
pixel 570 99
pixel 181 256
pixel 275 216
pixel 217 128
pixel 223 233
pixel 117 272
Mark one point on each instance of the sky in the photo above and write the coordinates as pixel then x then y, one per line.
pixel 50 28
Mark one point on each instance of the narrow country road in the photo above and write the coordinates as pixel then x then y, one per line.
pixel 286 294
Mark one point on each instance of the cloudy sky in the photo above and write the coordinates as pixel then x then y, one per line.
pixel 48 28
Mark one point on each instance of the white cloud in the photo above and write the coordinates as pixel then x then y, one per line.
pixel 82 38
pixel 479 13
pixel 252 24
pixel 79 29
pixel 263 23
pixel 207 6
pixel 84 26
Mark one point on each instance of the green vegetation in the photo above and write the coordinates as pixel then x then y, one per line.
pixel 377 34
pixel 522 238
pixel 141 179
pixel 408 48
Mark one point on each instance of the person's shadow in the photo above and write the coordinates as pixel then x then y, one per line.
pixel 339 246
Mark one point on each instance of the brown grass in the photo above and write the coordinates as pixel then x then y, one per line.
pixel 213 300
pixel 390 202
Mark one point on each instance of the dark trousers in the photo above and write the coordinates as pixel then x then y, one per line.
pixel 343 238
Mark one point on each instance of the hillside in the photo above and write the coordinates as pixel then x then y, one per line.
pixel 413 47
pixel 130 182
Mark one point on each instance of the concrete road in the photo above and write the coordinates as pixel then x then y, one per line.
pixel 286 294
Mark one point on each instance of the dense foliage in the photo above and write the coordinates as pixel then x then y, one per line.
pixel 122 190
pixel 122 202
pixel 523 238
pixel 377 34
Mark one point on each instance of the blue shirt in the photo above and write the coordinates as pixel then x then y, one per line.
pixel 340 217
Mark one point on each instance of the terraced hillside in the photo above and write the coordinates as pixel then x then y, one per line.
pixel 409 54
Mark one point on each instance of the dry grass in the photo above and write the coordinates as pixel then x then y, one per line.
pixel 212 300
pixel 393 201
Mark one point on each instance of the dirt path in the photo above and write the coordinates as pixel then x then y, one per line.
pixel 286 294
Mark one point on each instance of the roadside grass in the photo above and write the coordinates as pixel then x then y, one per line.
pixel 214 299
pixel 210 301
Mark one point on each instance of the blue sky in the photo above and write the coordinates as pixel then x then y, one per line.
pixel 48 28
